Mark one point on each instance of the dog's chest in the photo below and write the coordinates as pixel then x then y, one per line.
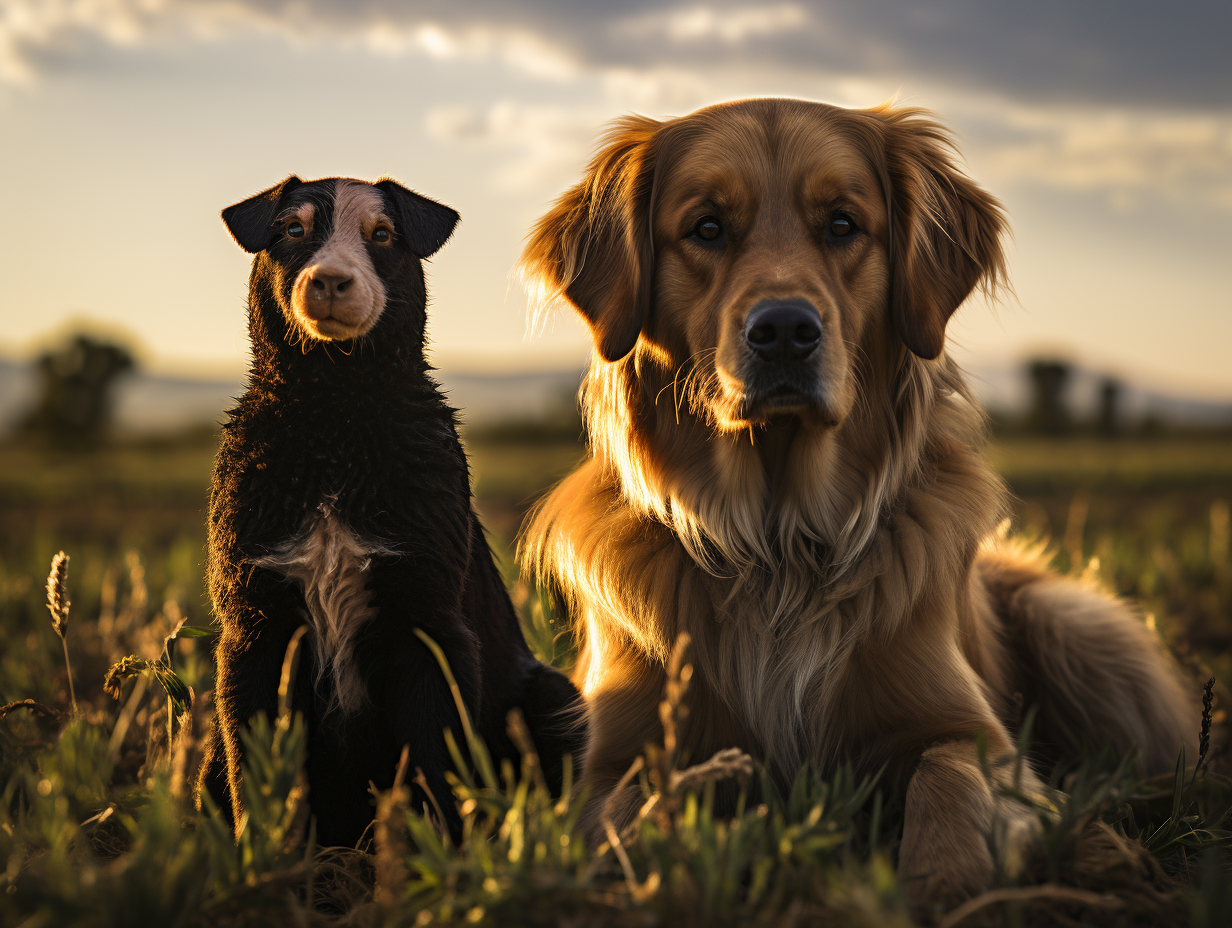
pixel 778 673
pixel 332 566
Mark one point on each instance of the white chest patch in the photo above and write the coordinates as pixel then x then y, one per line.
pixel 330 563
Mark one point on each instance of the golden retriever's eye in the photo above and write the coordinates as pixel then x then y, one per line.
pixel 708 229
pixel 295 230
pixel 381 234
pixel 841 225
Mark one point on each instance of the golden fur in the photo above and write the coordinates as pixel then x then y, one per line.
pixel 828 552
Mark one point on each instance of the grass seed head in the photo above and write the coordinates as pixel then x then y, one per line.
pixel 1208 703
pixel 57 593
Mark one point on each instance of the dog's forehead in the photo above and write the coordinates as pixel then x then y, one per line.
pixel 760 145
pixel 331 195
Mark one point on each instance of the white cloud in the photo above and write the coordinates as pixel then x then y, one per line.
pixel 705 23
pixel 541 145
pixel 1127 156
pixel 39 24
pixel 32 30
pixel 520 49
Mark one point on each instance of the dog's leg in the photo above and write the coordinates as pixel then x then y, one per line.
pixel 624 719
pixel 958 828
pixel 212 778
pixel 260 620
pixel 410 696
pixel 1098 675
pixel 555 716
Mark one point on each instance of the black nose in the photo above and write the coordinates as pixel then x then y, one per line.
pixel 783 331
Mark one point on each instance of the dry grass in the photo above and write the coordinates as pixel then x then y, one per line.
pixel 96 826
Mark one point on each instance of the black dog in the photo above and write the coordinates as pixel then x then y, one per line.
pixel 341 500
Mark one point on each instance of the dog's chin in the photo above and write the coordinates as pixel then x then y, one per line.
pixel 336 328
pixel 766 408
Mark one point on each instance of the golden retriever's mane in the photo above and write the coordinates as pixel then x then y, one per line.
pixel 845 559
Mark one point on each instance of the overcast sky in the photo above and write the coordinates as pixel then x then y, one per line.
pixel 126 125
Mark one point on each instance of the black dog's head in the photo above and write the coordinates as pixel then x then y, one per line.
pixel 336 252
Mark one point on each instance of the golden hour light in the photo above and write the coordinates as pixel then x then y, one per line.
pixel 688 463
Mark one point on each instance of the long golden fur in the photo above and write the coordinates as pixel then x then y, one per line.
pixel 828 539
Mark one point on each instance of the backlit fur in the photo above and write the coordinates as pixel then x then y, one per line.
pixel 341 500
pixel 822 551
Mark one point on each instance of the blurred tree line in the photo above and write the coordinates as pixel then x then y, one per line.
pixel 76 392
pixel 1050 410
pixel 1050 414
pixel 76 398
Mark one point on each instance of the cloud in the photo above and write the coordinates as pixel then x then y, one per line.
pixel 1128 157
pixel 538 145
pixel 1123 99
pixel 729 26
pixel 1132 52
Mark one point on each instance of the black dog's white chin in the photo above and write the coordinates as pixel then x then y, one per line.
pixel 336 328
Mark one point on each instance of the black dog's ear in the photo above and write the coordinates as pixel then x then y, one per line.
pixel 251 221
pixel 425 224
pixel 946 230
pixel 594 248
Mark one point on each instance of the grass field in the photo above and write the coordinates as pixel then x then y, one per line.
pixel 96 826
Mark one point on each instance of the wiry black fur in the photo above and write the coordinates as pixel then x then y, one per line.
pixel 361 426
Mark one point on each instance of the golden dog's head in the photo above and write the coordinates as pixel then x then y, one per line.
pixel 768 284
pixel 766 245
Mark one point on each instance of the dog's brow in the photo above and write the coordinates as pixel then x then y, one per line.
pixel 304 212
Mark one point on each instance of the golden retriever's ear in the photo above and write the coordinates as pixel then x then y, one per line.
pixel 594 248
pixel 945 231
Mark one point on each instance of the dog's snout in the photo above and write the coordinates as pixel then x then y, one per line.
pixel 783 330
pixel 325 286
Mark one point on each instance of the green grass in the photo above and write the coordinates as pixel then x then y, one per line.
pixel 96 826
pixel 1032 463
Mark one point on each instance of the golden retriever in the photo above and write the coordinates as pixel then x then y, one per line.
pixel 786 465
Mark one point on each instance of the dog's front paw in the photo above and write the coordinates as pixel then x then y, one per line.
pixel 945 867
pixel 962 831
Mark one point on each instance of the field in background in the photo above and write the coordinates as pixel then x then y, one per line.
pixel 149 495
pixel 1148 516
pixel 1153 511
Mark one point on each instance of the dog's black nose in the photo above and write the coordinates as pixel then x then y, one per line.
pixel 782 330
pixel 325 286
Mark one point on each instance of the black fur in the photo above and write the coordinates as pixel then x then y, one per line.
pixel 361 427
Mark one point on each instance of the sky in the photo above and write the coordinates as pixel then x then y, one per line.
pixel 126 125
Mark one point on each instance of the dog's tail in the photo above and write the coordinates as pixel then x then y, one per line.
pixel 1097 674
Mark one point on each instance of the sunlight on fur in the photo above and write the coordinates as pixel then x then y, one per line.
pixel 832 566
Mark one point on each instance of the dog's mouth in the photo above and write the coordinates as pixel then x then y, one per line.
pixel 333 328
pixel 751 405
pixel 763 409
pixel 336 302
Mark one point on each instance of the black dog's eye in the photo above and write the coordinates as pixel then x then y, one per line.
pixel 381 234
pixel 295 229
pixel 841 225
pixel 708 229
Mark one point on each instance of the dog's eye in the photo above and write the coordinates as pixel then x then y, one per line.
pixel 841 225
pixel 708 229
pixel 381 234
pixel 295 230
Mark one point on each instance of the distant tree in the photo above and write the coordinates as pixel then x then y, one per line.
pixel 1049 413
pixel 75 401
pixel 1109 406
